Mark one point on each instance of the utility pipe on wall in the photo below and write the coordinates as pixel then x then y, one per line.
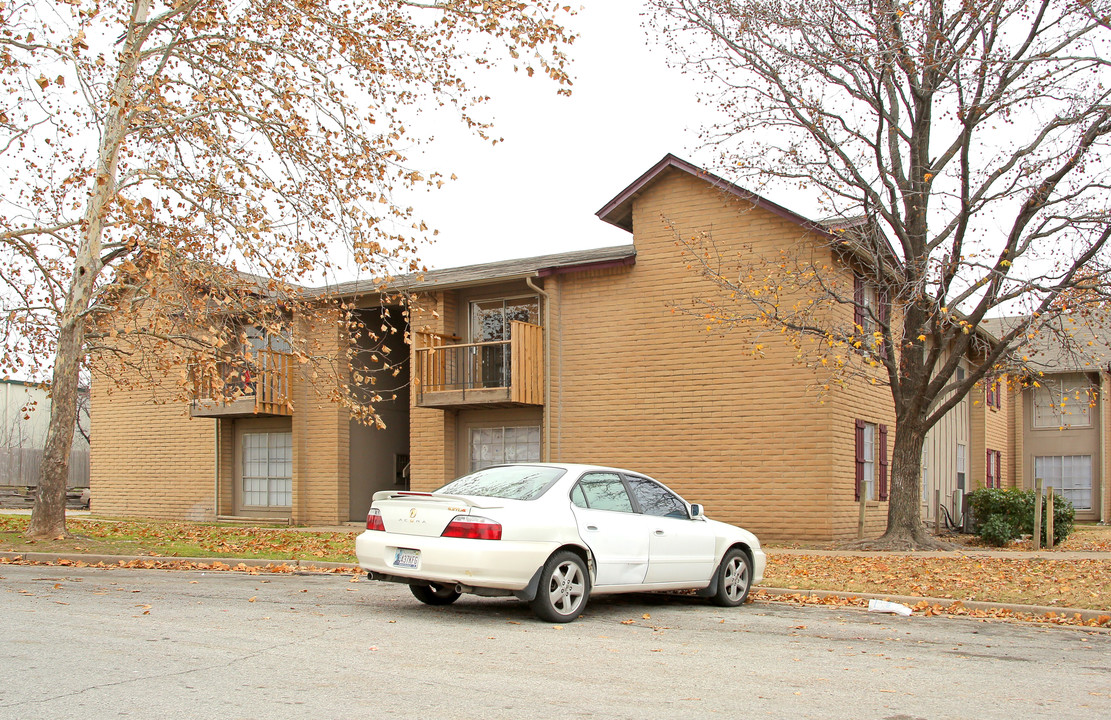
pixel 547 454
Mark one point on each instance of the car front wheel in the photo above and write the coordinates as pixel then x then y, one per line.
pixel 434 594
pixel 734 579
pixel 563 590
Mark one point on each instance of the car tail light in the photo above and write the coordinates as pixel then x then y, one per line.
pixel 475 528
pixel 374 520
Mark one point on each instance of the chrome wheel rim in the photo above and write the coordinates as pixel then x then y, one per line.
pixel 567 587
pixel 736 578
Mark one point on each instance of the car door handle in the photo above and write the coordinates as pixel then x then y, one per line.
pixel 592 527
pixel 661 532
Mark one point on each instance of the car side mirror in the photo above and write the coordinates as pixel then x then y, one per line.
pixel 697 512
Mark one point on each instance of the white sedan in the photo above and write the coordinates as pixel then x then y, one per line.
pixel 552 535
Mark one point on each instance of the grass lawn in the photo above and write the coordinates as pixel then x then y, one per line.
pixel 179 539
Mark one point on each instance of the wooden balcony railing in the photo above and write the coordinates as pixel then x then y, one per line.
pixel 503 373
pixel 226 389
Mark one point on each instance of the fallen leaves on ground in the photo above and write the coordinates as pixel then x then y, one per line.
pixel 1070 583
pixel 126 537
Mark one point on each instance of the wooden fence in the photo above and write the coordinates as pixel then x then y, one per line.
pixel 19 467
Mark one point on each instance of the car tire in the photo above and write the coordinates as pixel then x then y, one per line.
pixel 563 590
pixel 434 594
pixel 734 579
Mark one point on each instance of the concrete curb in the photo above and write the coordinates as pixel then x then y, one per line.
pixel 951 554
pixel 314 565
pixel 945 603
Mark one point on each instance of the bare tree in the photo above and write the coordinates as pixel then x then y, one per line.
pixel 158 151
pixel 969 138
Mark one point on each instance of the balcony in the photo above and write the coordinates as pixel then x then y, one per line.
pixel 505 373
pixel 229 391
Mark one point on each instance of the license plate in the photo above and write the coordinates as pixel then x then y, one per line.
pixel 406 558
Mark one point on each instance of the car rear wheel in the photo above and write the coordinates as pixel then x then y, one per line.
pixel 563 590
pixel 734 579
pixel 434 594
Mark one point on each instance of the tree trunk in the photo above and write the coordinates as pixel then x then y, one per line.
pixel 48 517
pixel 904 509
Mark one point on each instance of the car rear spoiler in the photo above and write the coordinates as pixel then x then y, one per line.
pixel 453 499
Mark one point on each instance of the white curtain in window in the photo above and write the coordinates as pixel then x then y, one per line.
pixel 495 446
pixel 1069 475
pixel 268 469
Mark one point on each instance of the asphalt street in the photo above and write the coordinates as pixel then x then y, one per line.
pixel 108 643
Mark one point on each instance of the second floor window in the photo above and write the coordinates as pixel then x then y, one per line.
pixel 870 308
pixel 1062 404
pixel 491 321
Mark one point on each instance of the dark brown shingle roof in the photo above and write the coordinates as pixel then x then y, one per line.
pixel 500 271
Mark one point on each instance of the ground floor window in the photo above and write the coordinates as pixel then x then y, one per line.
pixel 268 469
pixel 1069 475
pixel 865 460
pixel 994 469
pixel 497 445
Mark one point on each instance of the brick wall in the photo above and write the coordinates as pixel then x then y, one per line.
pixel 997 433
pixel 637 385
pixel 321 429
pixel 1013 404
pixel 432 434
pixel 148 457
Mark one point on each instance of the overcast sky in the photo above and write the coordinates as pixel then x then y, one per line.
pixel 563 158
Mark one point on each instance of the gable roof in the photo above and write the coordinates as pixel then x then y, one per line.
pixel 619 210
pixel 857 235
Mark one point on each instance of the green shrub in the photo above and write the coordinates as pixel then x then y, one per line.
pixel 1003 515
pixel 998 530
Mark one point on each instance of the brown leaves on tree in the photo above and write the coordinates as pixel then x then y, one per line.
pixel 196 164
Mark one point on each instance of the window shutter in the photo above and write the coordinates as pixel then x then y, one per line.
pixel 858 301
pixel 883 462
pixel 859 456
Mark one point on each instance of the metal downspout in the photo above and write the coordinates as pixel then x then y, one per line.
pixel 1103 519
pixel 216 474
pixel 547 455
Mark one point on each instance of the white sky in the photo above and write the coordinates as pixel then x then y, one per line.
pixel 563 158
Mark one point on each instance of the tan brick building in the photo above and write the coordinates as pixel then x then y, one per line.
pixel 576 357
pixel 1059 425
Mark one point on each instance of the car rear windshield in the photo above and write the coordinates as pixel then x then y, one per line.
pixel 516 482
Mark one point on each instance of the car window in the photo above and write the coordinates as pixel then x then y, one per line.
pixel 655 499
pixel 512 482
pixel 602 491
